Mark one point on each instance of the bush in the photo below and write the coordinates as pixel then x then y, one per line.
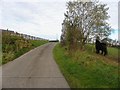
pixel 7 57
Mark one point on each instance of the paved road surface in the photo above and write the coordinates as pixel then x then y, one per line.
pixel 35 69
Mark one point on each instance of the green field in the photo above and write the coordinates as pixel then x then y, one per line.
pixel 86 69
pixel 112 52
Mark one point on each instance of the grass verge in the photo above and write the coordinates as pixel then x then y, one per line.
pixel 86 70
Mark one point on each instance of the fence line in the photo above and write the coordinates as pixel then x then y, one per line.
pixel 25 36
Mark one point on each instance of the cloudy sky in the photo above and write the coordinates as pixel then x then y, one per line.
pixel 43 18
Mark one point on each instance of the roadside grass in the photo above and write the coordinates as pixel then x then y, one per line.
pixel 85 69
pixel 11 55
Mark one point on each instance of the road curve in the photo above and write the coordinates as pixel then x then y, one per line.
pixel 35 69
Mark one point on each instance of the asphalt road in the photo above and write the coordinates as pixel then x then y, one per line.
pixel 35 69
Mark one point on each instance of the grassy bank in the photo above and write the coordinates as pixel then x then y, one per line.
pixel 14 46
pixel 85 69
pixel 34 44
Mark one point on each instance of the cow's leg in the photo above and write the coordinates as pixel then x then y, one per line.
pixel 102 51
pixel 105 51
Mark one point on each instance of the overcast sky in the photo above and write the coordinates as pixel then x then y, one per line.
pixel 43 18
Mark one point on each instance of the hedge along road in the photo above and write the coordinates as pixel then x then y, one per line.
pixel 35 69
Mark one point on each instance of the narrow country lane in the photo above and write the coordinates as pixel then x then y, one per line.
pixel 35 69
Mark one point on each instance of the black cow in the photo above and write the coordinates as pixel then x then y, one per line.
pixel 101 47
